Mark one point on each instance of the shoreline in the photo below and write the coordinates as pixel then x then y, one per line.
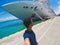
pixel 18 29
pixel 17 33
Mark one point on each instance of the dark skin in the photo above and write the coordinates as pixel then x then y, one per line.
pixel 26 41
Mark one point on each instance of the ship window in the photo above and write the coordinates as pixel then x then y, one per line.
pixel 31 7
pixel 25 6
pixel 35 8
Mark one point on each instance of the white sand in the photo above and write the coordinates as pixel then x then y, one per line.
pixel 47 33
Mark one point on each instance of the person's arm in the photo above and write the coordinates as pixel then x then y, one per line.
pixel 27 41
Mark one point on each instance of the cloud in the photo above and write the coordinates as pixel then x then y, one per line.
pixel 4 16
pixel 7 18
pixel 58 8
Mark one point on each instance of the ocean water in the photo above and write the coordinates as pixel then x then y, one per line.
pixel 12 26
pixel 9 27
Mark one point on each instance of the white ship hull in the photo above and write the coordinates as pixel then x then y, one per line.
pixel 24 9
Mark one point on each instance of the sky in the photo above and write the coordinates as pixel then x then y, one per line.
pixel 55 4
pixel 4 15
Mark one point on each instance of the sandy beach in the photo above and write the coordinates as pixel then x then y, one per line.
pixel 47 33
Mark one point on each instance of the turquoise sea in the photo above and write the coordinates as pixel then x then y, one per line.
pixel 12 26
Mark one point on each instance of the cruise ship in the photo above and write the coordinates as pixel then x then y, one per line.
pixel 36 9
pixel 47 32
